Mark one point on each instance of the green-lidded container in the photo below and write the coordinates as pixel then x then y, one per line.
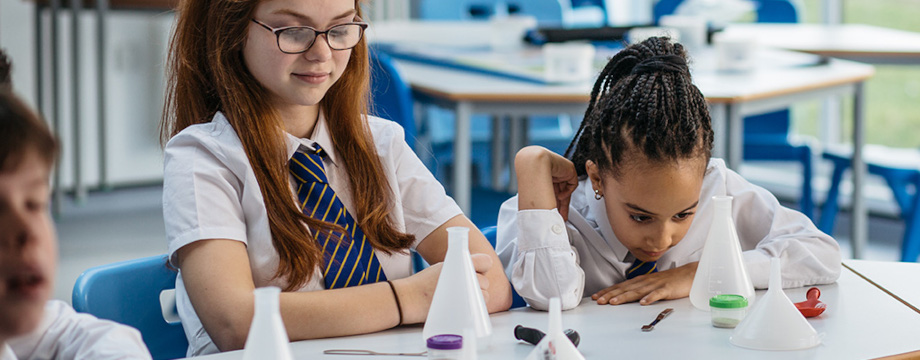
pixel 727 310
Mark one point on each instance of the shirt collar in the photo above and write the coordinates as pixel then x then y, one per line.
pixel 599 212
pixel 320 136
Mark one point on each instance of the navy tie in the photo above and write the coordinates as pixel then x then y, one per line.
pixel 349 262
pixel 640 267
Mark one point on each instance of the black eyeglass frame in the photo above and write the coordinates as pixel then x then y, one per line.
pixel 277 31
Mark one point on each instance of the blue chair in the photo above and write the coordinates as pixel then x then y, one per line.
pixel 766 136
pixel 128 292
pixel 391 97
pixel 901 170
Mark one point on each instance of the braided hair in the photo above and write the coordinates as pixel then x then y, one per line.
pixel 643 100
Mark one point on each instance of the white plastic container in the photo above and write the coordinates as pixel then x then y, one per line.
pixel 568 62
pixel 727 310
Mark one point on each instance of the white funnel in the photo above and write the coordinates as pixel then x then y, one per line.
pixel 555 345
pixel 267 337
pixel 721 268
pixel 458 303
pixel 774 323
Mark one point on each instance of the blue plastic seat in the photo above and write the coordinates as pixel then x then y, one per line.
pixel 391 97
pixel 901 170
pixel 128 292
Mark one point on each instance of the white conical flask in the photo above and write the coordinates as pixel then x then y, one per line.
pixel 458 303
pixel 267 337
pixel 555 345
pixel 721 268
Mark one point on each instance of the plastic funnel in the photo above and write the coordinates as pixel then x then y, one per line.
pixel 721 269
pixel 555 345
pixel 774 323
pixel 458 303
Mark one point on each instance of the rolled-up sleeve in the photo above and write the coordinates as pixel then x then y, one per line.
pixel 201 195
pixel 425 204
pixel 535 247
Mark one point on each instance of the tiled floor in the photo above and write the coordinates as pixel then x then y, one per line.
pixel 128 223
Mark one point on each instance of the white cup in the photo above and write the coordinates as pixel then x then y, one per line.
pixel 508 31
pixel 734 53
pixel 568 62
pixel 639 34
pixel 692 29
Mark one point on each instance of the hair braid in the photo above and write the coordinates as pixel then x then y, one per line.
pixel 643 100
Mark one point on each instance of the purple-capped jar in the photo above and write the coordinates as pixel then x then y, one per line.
pixel 445 347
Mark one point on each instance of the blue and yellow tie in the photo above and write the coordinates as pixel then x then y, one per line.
pixel 640 267
pixel 349 262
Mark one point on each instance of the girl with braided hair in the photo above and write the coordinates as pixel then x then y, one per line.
pixel 624 216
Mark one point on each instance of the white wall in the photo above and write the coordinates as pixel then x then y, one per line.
pixel 135 86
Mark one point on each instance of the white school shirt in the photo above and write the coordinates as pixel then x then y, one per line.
pixel 547 257
pixel 65 334
pixel 211 192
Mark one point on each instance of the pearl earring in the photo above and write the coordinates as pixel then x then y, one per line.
pixel 597 194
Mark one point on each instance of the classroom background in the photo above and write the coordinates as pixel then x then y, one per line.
pixel 108 207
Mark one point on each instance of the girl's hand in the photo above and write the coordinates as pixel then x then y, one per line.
pixel 647 289
pixel 546 180
pixel 417 291
pixel 565 180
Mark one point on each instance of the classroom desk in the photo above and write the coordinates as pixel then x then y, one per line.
pixel 731 96
pixel 859 42
pixel 898 279
pixel 860 322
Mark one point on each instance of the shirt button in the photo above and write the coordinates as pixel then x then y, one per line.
pixel 556 229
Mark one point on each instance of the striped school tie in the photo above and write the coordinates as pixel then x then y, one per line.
pixel 349 262
pixel 640 267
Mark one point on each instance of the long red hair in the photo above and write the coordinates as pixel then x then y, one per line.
pixel 206 74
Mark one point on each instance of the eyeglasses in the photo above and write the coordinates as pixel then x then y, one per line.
pixel 298 39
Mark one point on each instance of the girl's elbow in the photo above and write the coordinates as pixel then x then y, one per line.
pixel 230 335
pixel 229 339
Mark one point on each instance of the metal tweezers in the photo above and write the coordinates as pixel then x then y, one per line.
pixel 369 352
pixel 661 316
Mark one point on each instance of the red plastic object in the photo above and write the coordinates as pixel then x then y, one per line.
pixel 811 307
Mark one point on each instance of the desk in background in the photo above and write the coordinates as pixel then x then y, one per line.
pixel 865 43
pixel 731 96
pixel 860 322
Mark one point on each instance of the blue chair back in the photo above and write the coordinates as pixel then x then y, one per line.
pixel 391 97
pixel 776 11
pixel 128 292
pixel 768 11
pixel 547 12
pixel 491 232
